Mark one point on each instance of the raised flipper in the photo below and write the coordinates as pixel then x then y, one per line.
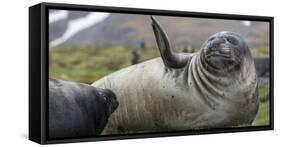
pixel 171 59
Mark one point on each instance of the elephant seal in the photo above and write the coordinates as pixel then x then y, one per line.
pixel 215 87
pixel 78 110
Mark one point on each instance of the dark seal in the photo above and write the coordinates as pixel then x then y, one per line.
pixel 78 110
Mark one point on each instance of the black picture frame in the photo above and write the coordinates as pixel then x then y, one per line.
pixel 38 69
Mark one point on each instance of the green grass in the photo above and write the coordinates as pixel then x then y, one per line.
pixel 262 117
pixel 260 52
pixel 263 92
pixel 87 64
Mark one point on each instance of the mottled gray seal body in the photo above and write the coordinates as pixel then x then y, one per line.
pixel 78 110
pixel 213 88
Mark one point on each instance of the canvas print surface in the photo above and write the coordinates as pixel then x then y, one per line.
pixel 117 73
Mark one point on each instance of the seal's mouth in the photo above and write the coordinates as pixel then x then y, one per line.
pixel 220 57
pixel 223 53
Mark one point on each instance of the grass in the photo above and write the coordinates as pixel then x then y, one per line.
pixel 260 52
pixel 87 64
pixel 263 92
pixel 262 117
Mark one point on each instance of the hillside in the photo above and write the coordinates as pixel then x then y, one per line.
pixel 129 30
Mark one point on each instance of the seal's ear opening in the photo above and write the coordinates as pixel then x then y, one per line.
pixel 169 58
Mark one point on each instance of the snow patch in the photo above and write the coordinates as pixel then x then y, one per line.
pixel 77 25
pixel 58 15
pixel 246 23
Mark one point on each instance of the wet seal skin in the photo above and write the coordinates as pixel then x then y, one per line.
pixel 215 87
pixel 78 110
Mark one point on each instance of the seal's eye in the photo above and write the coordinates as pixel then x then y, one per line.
pixel 232 40
pixel 212 38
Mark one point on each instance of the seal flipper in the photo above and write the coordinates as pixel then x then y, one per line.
pixel 170 59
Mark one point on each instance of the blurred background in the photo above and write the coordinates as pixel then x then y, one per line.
pixel 85 46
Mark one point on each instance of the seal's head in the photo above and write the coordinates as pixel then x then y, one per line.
pixel 224 51
pixel 108 98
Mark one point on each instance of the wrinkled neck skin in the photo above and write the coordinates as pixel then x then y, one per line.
pixel 215 86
